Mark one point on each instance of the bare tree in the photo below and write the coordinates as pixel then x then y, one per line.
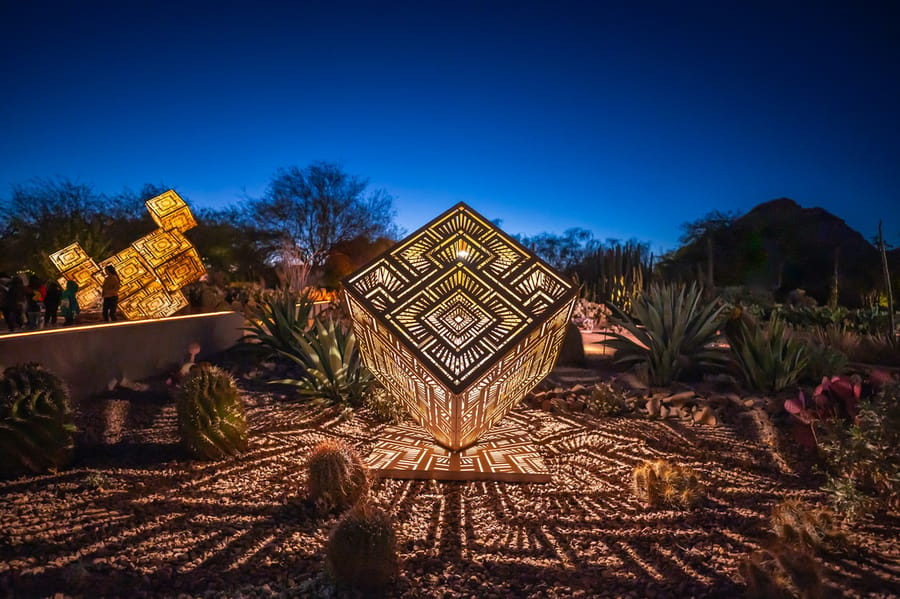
pixel 319 206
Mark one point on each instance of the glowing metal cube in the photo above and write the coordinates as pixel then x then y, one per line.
pixel 152 270
pixel 458 321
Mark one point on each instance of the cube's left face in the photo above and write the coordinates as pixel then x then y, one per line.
pixel 459 322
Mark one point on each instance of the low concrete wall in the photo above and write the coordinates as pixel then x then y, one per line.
pixel 89 357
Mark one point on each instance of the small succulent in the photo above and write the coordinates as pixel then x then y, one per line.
pixel 604 400
pixel 337 477
pixel 362 549
pixel 334 371
pixel 782 572
pixel 386 408
pixel 211 416
pixel 660 482
pixel 810 527
pixel 36 421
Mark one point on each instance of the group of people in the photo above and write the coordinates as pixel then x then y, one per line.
pixel 28 303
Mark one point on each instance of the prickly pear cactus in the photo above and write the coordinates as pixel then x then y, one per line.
pixel 36 421
pixel 211 416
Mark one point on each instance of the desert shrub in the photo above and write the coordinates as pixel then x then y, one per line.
pixel 334 371
pixel 879 348
pixel 211 417
pixel 336 476
pixel 863 457
pixel 36 421
pixel 770 360
pixel 822 361
pixel 671 332
pixel 278 324
pixel 782 571
pixel 385 407
pixel 362 549
pixel 605 400
pixel 660 482
pixel 811 527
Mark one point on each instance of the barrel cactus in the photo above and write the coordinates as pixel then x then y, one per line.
pixel 337 477
pixel 211 416
pixel 362 549
pixel 36 421
pixel 660 482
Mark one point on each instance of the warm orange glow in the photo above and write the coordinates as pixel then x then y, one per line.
pixel 84 327
pixel 459 322
pixel 152 270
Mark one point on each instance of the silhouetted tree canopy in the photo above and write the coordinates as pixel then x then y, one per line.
pixel 320 206
pixel 564 251
pixel 45 215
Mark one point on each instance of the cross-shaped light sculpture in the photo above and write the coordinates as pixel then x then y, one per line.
pixel 152 270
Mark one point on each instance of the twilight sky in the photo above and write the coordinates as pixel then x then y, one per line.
pixel 627 121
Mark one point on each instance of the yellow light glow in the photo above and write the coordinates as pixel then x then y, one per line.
pixel 459 342
pixel 152 270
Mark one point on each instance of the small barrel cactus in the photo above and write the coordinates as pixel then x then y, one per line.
pixel 663 483
pixel 362 549
pixel 337 477
pixel 211 415
pixel 810 527
pixel 36 421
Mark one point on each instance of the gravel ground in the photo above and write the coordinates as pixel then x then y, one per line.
pixel 134 517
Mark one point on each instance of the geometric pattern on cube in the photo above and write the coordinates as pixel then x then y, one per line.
pixel 161 245
pixel 170 212
pixel 459 322
pixel 503 453
pixel 152 270
pixel 180 270
pixel 134 272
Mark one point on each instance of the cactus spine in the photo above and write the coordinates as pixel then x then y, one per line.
pixel 211 416
pixel 36 421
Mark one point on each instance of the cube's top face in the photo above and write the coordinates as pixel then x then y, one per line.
pixel 459 293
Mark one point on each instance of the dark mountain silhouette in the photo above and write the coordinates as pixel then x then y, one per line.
pixel 781 246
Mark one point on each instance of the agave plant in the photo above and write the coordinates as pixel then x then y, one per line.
pixel 283 319
pixel 672 331
pixel 769 361
pixel 36 422
pixel 334 371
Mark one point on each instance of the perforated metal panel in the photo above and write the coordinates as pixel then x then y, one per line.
pixel 152 270
pixel 459 322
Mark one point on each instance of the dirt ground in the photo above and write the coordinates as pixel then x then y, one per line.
pixel 134 517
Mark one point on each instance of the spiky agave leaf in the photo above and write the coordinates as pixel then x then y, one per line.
pixel 770 361
pixel 211 416
pixel 334 369
pixel 36 421
pixel 676 331
pixel 281 324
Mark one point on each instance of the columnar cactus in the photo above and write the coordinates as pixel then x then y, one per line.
pixel 36 421
pixel 211 417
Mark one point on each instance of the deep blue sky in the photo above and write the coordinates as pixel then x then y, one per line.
pixel 626 121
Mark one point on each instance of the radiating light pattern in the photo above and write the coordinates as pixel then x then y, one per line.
pixel 152 270
pixel 459 322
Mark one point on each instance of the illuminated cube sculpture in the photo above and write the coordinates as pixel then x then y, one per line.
pixel 152 270
pixel 459 322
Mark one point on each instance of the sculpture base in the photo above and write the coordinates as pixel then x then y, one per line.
pixel 503 454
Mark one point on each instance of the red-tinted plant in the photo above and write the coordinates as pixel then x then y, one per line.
pixel 835 397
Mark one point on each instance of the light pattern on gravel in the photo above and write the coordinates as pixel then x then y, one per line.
pixel 134 517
